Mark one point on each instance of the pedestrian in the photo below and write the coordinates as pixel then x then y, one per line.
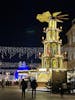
pixel 29 84
pixel 23 87
pixel 61 90
pixel 33 86
pixel 3 82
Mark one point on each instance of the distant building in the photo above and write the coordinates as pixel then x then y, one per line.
pixel 69 48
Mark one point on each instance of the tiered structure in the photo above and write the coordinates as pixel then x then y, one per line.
pixel 52 57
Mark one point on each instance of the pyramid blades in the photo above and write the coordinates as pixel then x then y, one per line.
pixel 62 15
pixel 64 18
pixel 59 20
pixel 56 14
pixel 47 14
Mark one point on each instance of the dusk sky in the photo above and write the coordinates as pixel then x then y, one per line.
pixel 18 24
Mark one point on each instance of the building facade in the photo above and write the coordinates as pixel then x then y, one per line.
pixel 69 48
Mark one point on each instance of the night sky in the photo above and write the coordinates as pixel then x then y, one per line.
pixel 18 24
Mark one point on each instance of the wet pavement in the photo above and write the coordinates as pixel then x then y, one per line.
pixel 14 93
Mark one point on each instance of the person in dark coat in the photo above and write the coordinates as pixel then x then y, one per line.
pixel 23 87
pixel 33 86
pixel 2 83
pixel 61 90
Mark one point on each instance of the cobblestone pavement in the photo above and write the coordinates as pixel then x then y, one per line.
pixel 14 93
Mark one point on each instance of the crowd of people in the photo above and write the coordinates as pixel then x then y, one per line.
pixel 4 83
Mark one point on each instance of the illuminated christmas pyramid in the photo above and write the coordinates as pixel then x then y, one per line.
pixel 52 57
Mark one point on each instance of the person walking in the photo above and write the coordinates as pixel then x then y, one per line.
pixel 33 86
pixel 23 87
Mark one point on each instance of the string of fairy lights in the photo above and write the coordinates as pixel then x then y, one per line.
pixel 12 51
